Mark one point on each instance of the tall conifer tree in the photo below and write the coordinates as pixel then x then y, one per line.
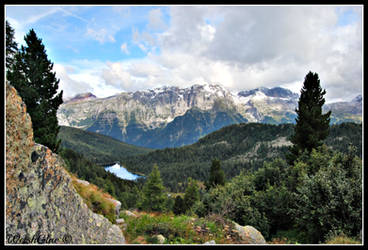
pixel 154 195
pixel 32 76
pixel 191 195
pixel 217 175
pixel 11 46
pixel 312 127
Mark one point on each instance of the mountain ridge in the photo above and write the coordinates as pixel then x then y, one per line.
pixel 138 117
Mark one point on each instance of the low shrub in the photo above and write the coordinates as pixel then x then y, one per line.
pixel 96 199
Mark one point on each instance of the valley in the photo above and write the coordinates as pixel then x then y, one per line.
pixel 186 125
pixel 239 147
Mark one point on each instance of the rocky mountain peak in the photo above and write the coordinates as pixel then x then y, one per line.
pixel 135 116
pixel 357 99
pixel 270 92
pixel 81 97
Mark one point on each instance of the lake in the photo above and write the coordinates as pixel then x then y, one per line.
pixel 121 172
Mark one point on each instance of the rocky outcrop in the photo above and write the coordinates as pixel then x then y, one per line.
pixel 160 239
pixel 128 213
pixel 42 205
pixel 249 234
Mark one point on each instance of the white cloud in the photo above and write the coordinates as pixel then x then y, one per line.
pixel 19 31
pixel 156 20
pixel 257 46
pixel 241 47
pixel 69 85
pixel 102 35
pixel 82 76
pixel 116 76
pixel 124 48
pixel 142 47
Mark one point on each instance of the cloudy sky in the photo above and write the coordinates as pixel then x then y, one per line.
pixel 110 49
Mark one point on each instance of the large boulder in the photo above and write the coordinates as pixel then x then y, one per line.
pixel 249 234
pixel 117 205
pixel 120 221
pixel 42 205
pixel 129 213
pixel 160 239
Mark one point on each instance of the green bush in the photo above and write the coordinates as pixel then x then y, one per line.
pixel 331 199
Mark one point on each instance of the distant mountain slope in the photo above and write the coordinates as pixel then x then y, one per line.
pixel 96 147
pixel 183 130
pixel 345 111
pixel 238 147
pixel 172 116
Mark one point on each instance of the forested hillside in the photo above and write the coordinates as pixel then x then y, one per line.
pixel 123 190
pixel 96 147
pixel 238 147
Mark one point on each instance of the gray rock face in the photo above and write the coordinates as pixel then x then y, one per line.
pixel 129 213
pixel 135 117
pixel 120 221
pixel 345 111
pixel 249 234
pixel 42 205
pixel 117 205
pixel 150 109
pixel 160 238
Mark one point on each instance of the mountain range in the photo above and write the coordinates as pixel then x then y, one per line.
pixel 173 117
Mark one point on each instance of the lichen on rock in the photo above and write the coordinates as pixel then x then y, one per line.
pixel 249 234
pixel 41 202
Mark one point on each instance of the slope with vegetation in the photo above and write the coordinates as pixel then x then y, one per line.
pixel 96 199
pixel 123 190
pixel 97 148
pixel 238 147
pixel 313 197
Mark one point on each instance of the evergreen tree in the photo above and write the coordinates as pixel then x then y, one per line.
pixel 217 175
pixel 11 46
pixel 312 127
pixel 154 195
pixel 32 76
pixel 191 195
pixel 179 205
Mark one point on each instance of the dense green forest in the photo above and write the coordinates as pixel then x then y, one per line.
pixel 96 147
pixel 239 147
pixel 311 201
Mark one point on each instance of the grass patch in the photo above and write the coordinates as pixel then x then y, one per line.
pixel 96 199
pixel 342 239
pixel 180 229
